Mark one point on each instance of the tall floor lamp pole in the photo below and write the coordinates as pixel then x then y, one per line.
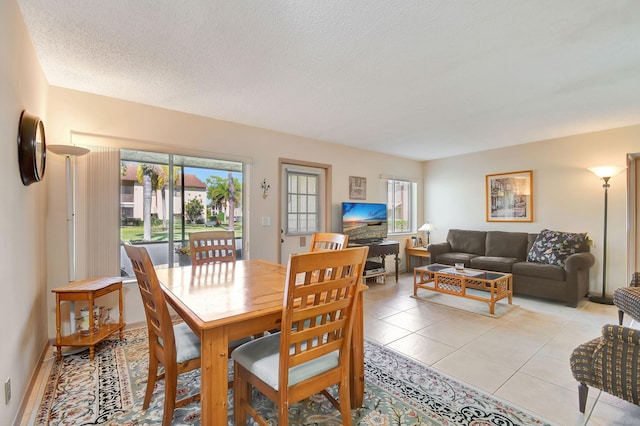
pixel 605 173
pixel 69 151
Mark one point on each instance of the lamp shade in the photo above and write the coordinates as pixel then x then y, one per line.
pixel 606 171
pixel 425 227
pixel 67 150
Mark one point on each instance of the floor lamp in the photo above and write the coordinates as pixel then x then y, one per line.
pixel 69 151
pixel 605 173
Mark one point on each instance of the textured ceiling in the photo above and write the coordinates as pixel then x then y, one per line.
pixel 419 79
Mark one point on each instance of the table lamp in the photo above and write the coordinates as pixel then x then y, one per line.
pixel 426 228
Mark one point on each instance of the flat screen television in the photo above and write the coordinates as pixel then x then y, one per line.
pixel 364 222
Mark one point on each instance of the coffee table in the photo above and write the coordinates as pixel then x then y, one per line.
pixel 449 280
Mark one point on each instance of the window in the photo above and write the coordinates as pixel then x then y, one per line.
pixel 401 208
pixel 177 195
pixel 302 203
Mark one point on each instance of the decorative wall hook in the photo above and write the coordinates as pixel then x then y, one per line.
pixel 265 188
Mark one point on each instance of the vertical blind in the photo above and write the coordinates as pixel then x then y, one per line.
pixel 102 174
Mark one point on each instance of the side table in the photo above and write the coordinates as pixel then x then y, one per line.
pixel 418 251
pixel 382 250
pixel 88 290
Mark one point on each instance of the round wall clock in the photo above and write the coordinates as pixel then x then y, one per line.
pixel 32 148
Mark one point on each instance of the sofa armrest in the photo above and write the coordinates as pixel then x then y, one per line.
pixel 437 249
pixel 579 261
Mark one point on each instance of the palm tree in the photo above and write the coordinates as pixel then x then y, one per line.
pixel 163 189
pixel 225 193
pixel 147 175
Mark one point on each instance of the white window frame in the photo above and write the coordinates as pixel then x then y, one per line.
pixel 306 210
pixel 411 206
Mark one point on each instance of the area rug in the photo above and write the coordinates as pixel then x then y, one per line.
pixel 398 391
pixel 479 307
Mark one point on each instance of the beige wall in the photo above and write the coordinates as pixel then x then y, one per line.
pixel 567 196
pixel 91 119
pixel 23 316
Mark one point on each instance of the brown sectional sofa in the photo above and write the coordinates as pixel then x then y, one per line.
pixel 564 278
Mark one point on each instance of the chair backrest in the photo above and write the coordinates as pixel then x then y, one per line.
pixel 212 246
pixel 159 324
pixel 328 241
pixel 319 302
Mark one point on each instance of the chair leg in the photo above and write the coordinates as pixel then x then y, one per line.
pixel 151 381
pixel 170 393
pixel 620 316
pixel 345 402
pixel 241 394
pixel 283 408
pixel 583 391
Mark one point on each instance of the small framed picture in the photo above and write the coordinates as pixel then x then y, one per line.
pixel 510 197
pixel 357 188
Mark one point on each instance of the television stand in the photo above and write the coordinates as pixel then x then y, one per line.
pixel 381 249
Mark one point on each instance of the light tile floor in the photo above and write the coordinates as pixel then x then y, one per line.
pixel 521 357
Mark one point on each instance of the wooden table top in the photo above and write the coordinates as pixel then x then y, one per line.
pixel 89 284
pixel 221 293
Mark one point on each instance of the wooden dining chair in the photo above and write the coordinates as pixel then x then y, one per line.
pixel 176 347
pixel 328 241
pixel 212 246
pixel 312 352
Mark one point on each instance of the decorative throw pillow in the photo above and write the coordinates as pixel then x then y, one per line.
pixel 553 247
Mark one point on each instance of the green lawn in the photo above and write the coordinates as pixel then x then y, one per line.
pixel 136 233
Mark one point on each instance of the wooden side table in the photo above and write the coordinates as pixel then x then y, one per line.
pixel 88 290
pixel 419 251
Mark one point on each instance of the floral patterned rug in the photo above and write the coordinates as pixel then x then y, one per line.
pixel 398 391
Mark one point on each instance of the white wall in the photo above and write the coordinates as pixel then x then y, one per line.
pixel 567 196
pixel 23 320
pixel 99 120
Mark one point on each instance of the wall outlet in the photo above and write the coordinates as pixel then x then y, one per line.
pixel 7 391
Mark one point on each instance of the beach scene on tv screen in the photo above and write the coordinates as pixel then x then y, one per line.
pixel 364 221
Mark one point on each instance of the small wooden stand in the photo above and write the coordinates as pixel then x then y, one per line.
pixel 87 290
pixel 417 250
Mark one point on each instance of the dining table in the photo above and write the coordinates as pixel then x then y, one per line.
pixel 222 302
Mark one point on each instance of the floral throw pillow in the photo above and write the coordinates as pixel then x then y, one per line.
pixel 553 247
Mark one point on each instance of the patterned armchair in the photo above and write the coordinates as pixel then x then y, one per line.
pixel 610 363
pixel 627 299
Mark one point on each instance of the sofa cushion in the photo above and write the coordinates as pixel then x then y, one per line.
pixel 507 244
pixel 553 247
pixel 493 263
pixel 463 241
pixel 453 258
pixel 539 270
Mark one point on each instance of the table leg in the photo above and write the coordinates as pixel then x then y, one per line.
pixel 357 355
pixel 397 259
pixel 214 375
pixel 58 332
pixel 121 313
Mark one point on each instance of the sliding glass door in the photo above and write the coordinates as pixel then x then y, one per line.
pixel 164 197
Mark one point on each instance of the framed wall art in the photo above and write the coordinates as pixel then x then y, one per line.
pixel 357 188
pixel 510 197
